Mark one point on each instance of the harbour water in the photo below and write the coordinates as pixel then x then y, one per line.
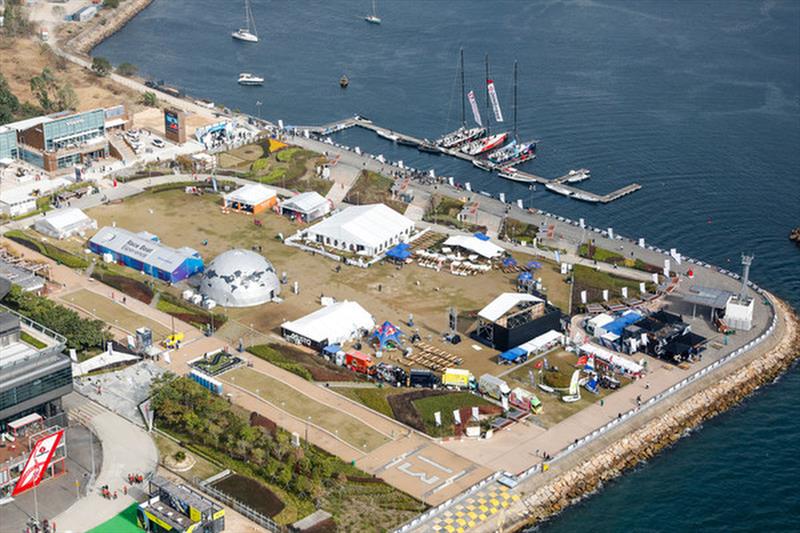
pixel 697 101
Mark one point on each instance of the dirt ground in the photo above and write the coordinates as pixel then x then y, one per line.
pixel 113 313
pixel 388 292
pixel 22 59
pixel 349 429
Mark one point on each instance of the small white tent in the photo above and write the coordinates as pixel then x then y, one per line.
pixel 64 223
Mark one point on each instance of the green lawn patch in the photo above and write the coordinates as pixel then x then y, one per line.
pixel 374 398
pixel 374 188
pixel 518 231
pixel 27 338
pixel 590 251
pixel 271 355
pixel 190 313
pixel 444 210
pixel 594 281
pixel 55 253
pixel 445 404
pixel 124 522
pixel 124 280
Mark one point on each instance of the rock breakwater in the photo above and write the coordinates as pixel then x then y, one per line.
pixel 662 431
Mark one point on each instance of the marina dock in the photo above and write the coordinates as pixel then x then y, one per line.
pixel 558 185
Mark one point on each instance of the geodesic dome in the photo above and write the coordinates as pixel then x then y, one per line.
pixel 240 278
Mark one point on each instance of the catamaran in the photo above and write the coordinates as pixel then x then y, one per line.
pixel 490 142
pixel 463 134
pixel 373 18
pixel 247 34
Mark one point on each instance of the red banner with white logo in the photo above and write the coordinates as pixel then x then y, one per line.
pixel 38 461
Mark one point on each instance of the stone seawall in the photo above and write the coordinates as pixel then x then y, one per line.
pixel 104 25
pixel 645 442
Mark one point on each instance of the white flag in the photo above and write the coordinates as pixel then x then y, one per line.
pixel 437 416
pixel 605 295
pixel 582 222
pixel 475 412
pixel 505 403
pixel 583 297
pixel 558 257
pixel 475 113
pixel 457 416
pixel 641 242
pixel 624 292
pixel 655 277
pixel 610 233
pixel 498 113
pixel 641 287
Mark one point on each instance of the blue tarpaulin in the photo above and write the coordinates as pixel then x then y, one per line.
pixel 400 252
pixel 513 354
pixel 332 349
pixel 534 264
pixel 509 262
pixel 525 277
pixel 622 322
pixel 481 236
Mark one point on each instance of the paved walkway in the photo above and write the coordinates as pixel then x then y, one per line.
pixel 126 449
pixel 343 177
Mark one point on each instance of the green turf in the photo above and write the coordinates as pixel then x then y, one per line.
pixel 124 522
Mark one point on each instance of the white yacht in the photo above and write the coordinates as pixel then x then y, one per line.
pixel 246 78
pixel 248 33
pixel 373 18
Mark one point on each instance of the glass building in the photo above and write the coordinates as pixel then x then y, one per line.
pixel 8 143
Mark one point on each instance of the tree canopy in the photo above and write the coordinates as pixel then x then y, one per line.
pixel 101 66
pixel 52 94
pixel 81 333
pixel 9 104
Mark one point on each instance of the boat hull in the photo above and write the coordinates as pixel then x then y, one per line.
pixel 244 36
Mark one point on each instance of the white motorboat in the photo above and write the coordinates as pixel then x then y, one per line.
pixel 373 18
pixel 248 33
pixel 246 78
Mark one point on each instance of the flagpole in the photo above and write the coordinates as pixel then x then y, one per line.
pixel 36 504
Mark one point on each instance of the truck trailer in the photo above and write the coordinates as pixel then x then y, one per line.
pixel 422 378
pixel 458 378
pixel 360 362
pixel 493 387
pixel 527 401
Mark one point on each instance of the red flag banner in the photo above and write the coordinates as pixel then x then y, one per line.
pixel 37 463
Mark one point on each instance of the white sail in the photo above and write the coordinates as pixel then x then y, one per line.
pixel 573 383
pixel 498 113
pixel 474 104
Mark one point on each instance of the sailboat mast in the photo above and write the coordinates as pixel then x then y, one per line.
pixel 463 95
pixel 488 115
pixel 515 100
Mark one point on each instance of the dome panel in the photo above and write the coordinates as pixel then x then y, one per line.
pixel 240 278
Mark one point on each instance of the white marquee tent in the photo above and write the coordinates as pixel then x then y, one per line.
pixel 64 223
pixel 473 244
pixel 334 324
pixel 367 229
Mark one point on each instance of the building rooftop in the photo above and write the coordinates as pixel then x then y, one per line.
pixel 147 251
pixel 505 303
pixel 708 296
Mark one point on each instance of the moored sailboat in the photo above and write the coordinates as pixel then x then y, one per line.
pixel 248 33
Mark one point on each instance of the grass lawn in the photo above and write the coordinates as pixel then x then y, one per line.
pixel 445 404
pixel 594 281
pixel 113 313
pixel 124 522
pixel 284 397
pixel 372 188
pixel 374 397
pixel 518 231
pixel 607 256
pixel 202 469
pixel 553 409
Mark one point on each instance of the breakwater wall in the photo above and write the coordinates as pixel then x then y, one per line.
pixel 645 442
pixel 104 25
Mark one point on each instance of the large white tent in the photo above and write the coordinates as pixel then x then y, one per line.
pixel 309 206
pixel 505 303
pixel 334 324
pixel 64 223
pixel 367 229
pixel 473 244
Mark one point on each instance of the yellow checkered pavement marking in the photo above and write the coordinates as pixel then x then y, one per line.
pixel 474 510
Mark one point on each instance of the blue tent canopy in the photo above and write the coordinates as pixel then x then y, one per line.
pixel 509 261
pixel 513 354
pixel 525 276
pixel 332 349
pixel 387 333
pixel 534 264
pixel 401 252
pixel 481 236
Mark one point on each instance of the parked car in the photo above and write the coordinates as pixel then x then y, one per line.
pixel 158 143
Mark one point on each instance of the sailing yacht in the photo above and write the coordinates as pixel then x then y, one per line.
pixel 247 34
pixel 515 152
pixel 463 134
pixel 373 18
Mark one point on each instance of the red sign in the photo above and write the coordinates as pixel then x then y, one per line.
pixel 38 461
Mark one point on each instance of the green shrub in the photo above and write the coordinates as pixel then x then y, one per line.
pixel 55 253
pixel 259 164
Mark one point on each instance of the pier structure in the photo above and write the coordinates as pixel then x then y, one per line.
pixel 558 185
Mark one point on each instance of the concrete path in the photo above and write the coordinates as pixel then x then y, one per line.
pixel 343 177
pixel 126 449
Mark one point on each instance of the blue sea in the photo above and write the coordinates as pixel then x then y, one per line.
pixel 698 101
